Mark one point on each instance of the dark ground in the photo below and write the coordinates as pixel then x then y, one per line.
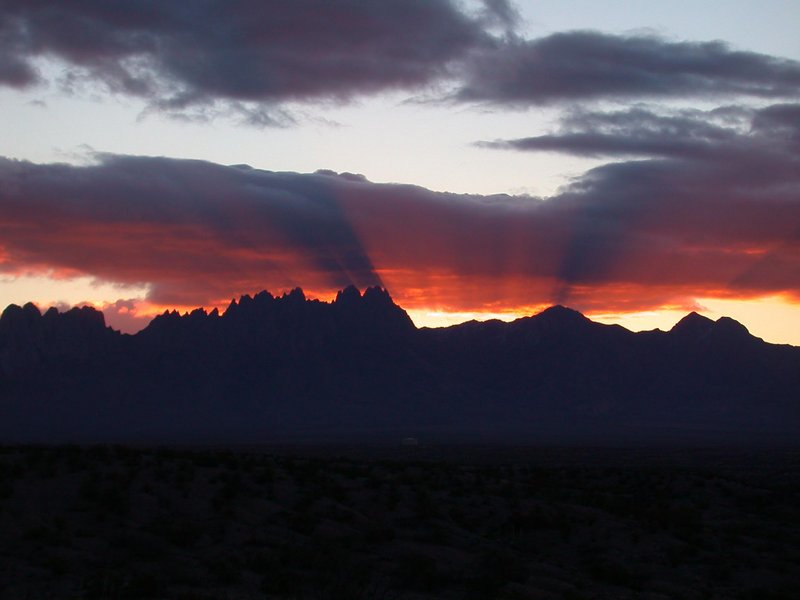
pixel 388 523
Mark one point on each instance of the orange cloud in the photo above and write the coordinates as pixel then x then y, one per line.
pixel 628 237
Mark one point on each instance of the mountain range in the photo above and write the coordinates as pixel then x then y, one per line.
pixel 287 368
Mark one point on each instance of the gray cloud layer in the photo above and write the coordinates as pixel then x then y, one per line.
pixel 259 54
pixel 588 65
pixel 720 134
pixel 185 53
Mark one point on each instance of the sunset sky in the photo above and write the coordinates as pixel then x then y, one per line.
pixel 632 160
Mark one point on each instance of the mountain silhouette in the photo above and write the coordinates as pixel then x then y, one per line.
pixel 287 368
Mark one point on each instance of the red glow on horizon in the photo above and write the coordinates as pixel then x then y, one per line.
pixel 189 234
pixel 438 307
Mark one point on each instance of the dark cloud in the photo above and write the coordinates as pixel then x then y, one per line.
pixel 718 216
pixel 781 120
pixel 208 57
pixel 638 132
pixel 15 73
pixel 588 65
pixel 716 134
pixel 192 229
pixel 184 54
pixel 502 12
pixel 14 68
pixel 717 181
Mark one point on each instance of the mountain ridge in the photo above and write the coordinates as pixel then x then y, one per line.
pixel 271 366
pixel 350 296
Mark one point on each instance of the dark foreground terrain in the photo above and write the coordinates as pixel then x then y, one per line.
pixel 402 523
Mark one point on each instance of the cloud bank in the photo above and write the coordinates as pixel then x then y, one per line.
pixel 703 184
pixel 179 55
pixel 589 65
pixel 256 56
pixel 709 206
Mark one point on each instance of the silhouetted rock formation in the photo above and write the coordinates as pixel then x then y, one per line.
pixel 286 367
pixel 30 340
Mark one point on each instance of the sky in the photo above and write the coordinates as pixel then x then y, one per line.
pixel 486 159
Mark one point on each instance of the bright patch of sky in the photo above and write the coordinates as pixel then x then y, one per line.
pixel 62 292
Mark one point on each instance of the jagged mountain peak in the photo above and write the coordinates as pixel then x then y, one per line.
pixel 374 310
pixel 693 324
pixel 85 314
pixel 560 312
pixel 30 314
pixel 349 296
pixel 731 327
pixel 698 326
pixel 558 318
pixel 296 296
pixel 372 295
pixel 14 312
pixel 378 295
pixel 264 297
pixel 31 309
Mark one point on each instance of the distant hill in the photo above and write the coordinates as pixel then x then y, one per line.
pixel 287 368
